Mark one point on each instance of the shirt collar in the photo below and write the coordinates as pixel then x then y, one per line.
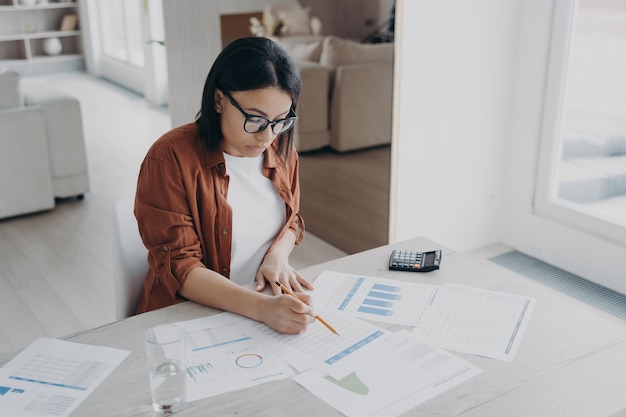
pixel 212 159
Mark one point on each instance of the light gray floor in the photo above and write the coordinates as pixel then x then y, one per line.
pixel 56 267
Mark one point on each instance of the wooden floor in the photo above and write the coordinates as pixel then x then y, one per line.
pixel 345 196
pixel 56 267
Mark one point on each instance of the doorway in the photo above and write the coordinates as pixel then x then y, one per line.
pixel 345 195
pixel 129 45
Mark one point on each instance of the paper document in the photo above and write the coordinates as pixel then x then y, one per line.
pixel 222 356
pixel 321 349
pixel 379 299
pixel 390 384
pixel 471 320
pixel 51 377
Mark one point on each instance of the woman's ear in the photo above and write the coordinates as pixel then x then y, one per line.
pixel 218 97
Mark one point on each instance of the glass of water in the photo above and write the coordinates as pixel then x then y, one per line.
pixel 165 352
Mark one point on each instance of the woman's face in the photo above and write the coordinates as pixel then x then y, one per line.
pixel 271 103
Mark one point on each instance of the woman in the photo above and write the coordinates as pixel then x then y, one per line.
pixel 217 200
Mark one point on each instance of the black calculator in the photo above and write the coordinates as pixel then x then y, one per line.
pixel 401 260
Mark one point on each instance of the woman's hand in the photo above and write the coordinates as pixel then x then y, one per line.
pixel 283 313
pixel 278 269
pixel 287 314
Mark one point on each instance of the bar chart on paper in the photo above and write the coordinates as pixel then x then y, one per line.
pixel 378 299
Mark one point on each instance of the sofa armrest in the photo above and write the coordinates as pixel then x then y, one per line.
pixel 311 131
pixel 25 184
pixel 10 92
pixel 361 106
pixel 64 128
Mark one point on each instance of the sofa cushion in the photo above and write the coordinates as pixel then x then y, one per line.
pixel 10 93
pixel 337 52
pixel 302 48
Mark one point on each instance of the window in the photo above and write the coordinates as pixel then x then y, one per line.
pixel 582 177
pixel 121 30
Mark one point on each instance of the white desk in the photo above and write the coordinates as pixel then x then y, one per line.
pixel 572 360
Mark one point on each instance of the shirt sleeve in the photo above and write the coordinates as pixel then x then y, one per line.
pixel 165 222
pixel 296 225
pixel 286 180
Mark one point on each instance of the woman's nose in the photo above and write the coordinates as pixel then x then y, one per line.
pixel 266 135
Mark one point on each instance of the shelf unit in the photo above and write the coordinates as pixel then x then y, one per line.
pixel 24 29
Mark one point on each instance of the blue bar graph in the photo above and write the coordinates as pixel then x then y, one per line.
pixel 376 311
pixel 388 288
pixel 228 342
pixel 351 293
pixel 51 383
pixel 356 346
pixel 380 300
pixel 377 303
pixel 385 295
pixel 195 369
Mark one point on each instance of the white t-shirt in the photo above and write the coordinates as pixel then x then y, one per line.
pixel 258 215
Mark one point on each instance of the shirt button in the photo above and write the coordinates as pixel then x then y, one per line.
pixel 225 231
pixel 223 269
pixel 165 249
pixel 223 191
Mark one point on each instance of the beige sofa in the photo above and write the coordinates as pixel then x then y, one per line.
pixel 347 92
pixel 43 152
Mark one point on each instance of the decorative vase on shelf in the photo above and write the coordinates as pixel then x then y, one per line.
pixel 52 46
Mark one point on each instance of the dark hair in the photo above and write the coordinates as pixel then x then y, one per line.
pixel 247 64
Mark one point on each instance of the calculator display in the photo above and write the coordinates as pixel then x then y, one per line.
pixel 430 258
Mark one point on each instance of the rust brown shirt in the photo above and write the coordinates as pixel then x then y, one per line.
pixel 183 215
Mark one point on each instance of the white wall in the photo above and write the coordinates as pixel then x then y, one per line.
pixel 193 41
pixel 454 77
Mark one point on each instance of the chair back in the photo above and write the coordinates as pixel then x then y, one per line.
pixel 132 260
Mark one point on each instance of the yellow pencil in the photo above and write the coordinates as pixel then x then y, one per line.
pixel 288 291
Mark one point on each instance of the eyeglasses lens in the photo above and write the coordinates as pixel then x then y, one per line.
pixel 258 124
pixel 283 126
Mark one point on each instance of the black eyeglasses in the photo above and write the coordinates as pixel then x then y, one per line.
pixel 256 124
